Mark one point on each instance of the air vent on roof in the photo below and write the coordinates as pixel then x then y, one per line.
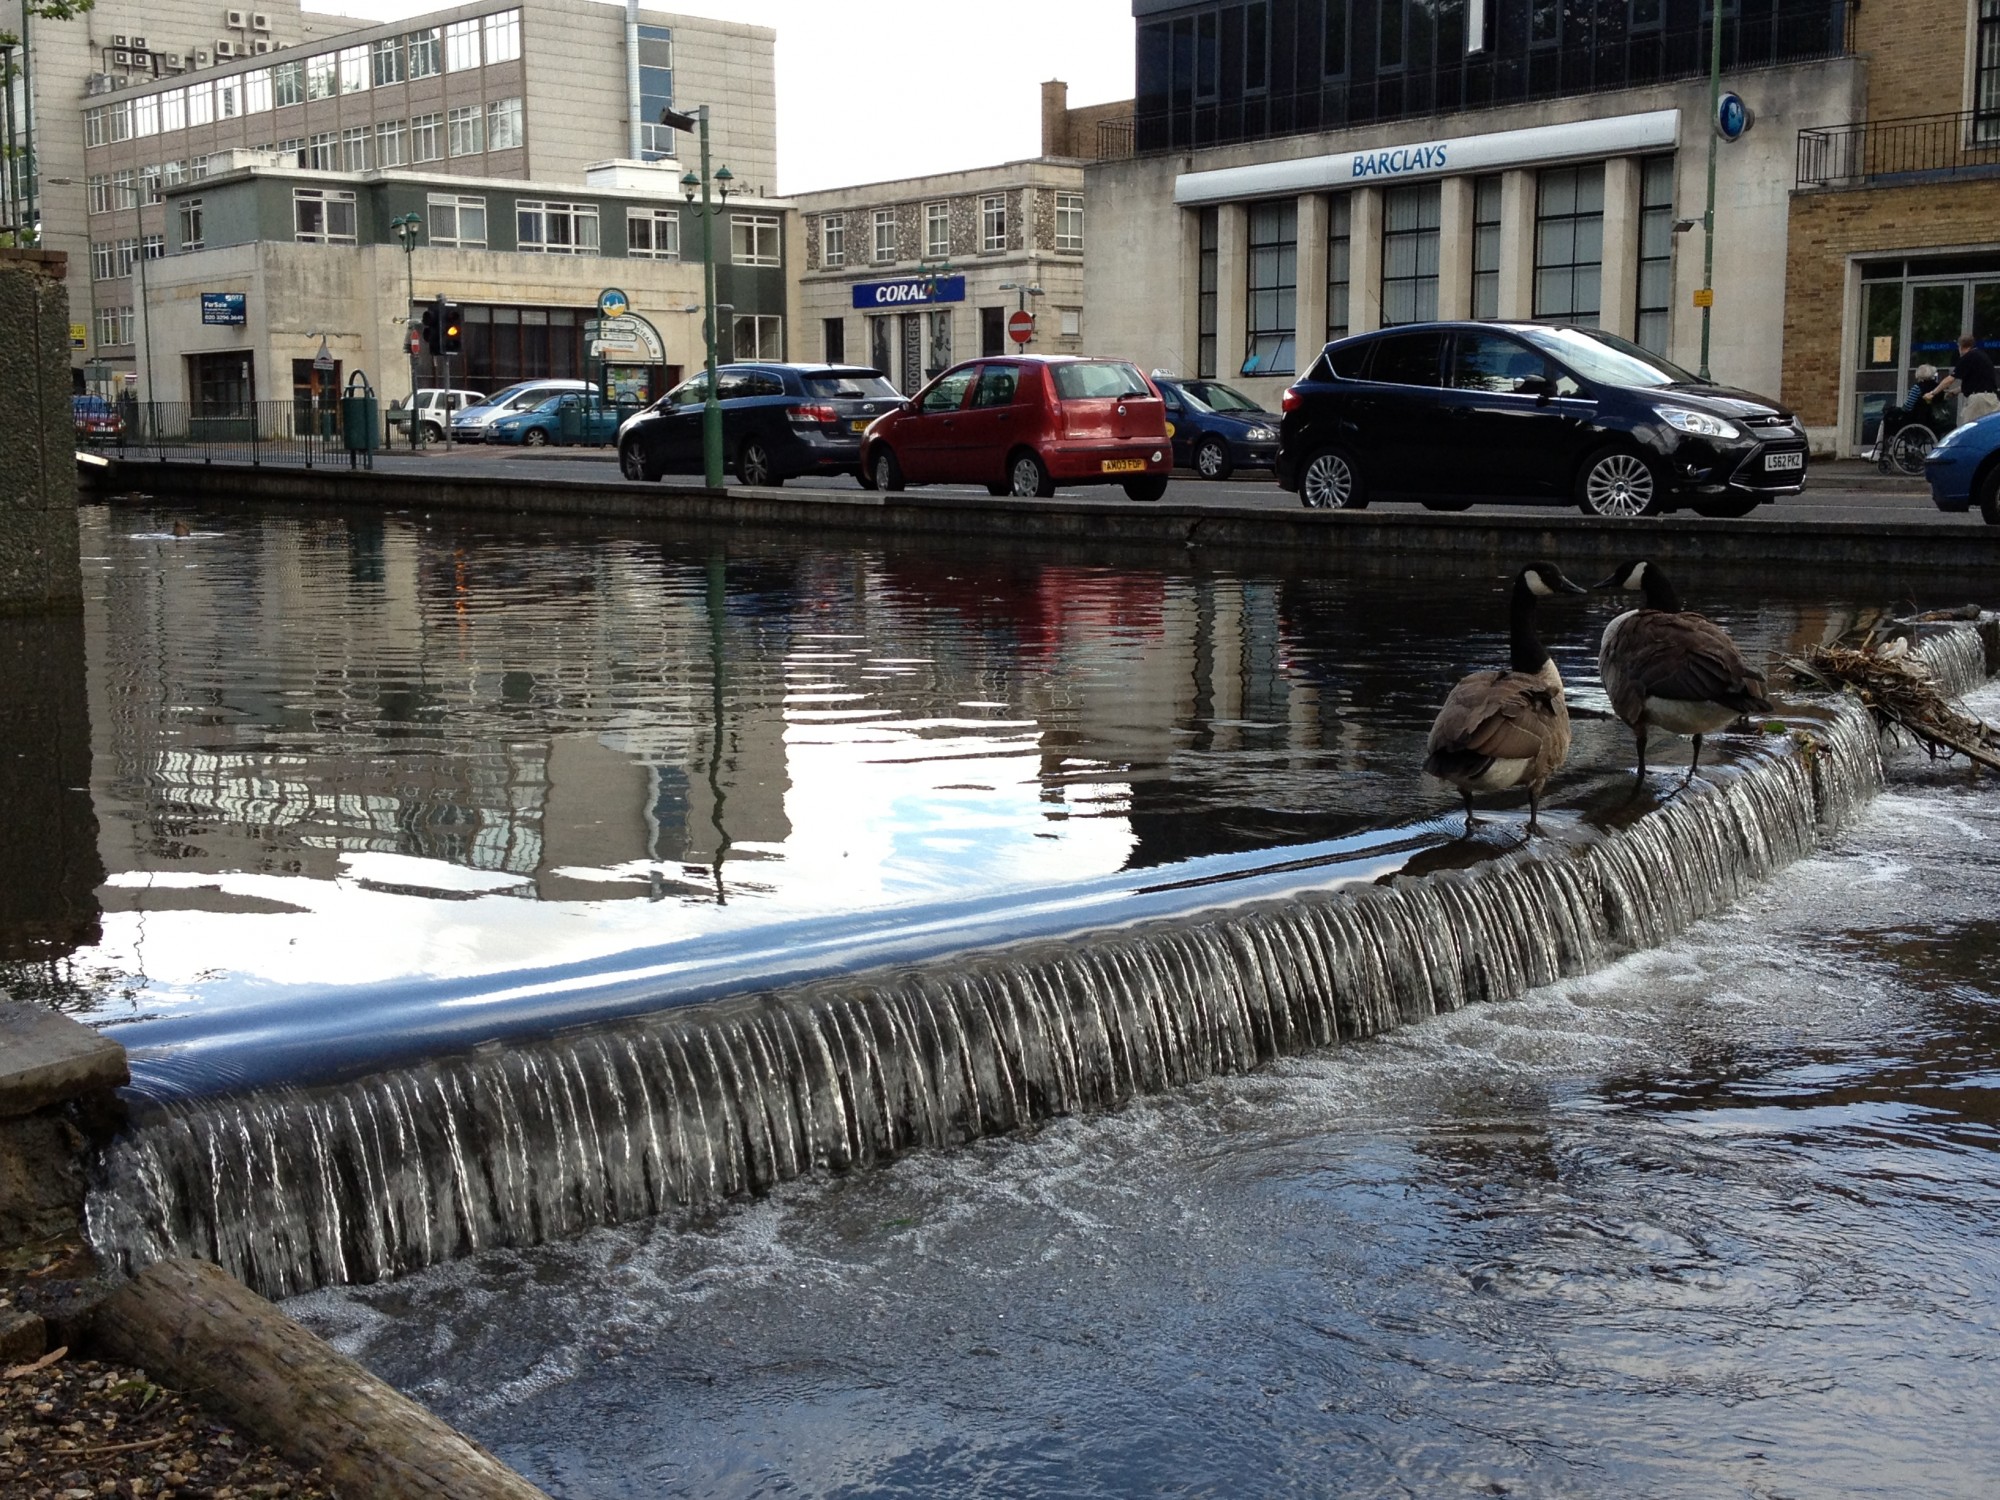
pixel 138 44
pixel 119 41
pixel 224 47
pixel 121 59
pixel 172 60
pixel 119 81
pixel 260 20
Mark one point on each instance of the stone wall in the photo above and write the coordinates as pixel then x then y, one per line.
pixel 39 570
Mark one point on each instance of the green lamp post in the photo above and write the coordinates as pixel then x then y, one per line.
pixel 691 184
pixel 408 227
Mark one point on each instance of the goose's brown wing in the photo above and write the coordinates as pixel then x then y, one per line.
pixel 1688 658
pixel 1497 716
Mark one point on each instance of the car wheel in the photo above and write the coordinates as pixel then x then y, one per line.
pixel 633 465
pixel 1728 508
pixel 888 472
pixel 865 475
pixel 1329 482
pixel 1028 477
pixel 433 433
pixel 1150 487
pixel 1618 485
pixel 534 437
pixel 1211 459
pixel 753 465
pixel 1989 496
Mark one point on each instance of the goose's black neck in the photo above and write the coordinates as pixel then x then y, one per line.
pixel 1659 593
pixel 1528 653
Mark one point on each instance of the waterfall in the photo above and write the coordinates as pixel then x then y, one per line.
pixel 678 1112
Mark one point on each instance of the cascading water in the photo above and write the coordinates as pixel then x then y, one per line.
pixel 680 1111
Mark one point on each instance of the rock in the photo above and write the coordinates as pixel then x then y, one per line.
pixel 23 1338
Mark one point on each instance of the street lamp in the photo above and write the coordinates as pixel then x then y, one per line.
pixel 408 227
pixel 720 179
pixel 1714 140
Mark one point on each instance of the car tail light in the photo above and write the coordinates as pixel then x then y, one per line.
pixel 814 413
pixel 1290 399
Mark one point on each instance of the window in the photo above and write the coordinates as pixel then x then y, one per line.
pixel 1069 221
pixel 323 76
pixel 322 216
pixel 128 256
pixel 656 90
pixel 1273 288
pixel 257 91
pixel 653 233
pixel 1071 322
pixel 1492 362
pixel 154 246
pixel 294 148
pixel 1407 359
pixel 833 240
pixel 1339 263
pixel 114 325
pixel 146 115
pixel 503 124
pixel 149 184
pixel 190 223
pixel 467 131
pixel 457 223
pixel 123 186
pixel 885 235
pixel 1569 244
pixel 100 260
pixel 174 172
pixel 94 127
pixel 949 393
pixel 100 194
pixel 1486 247
pixel 993 222
pixel 937 230
pixel 1986 77
pixel 228 98
pixel 1656 252
pixel 1205 292
pixel 556 228
pixel 118 119
pixel 173 110
pixel 753 240
pixel 354 148
pixel 323 152
pixel 461 46
pixel 201 104
pixel 833 341
pixel 390 144
pixel 423 53
pixel 760 336
pixel 427 138
pixel 996 385
pixel 288 84
pixel 388 61
pixel 1410 219
pixel 355 71
pixel 1545 22
pixel 503 36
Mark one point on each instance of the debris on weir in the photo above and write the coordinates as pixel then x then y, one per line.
pixel 1899 692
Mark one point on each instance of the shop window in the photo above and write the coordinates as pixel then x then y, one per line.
pixel 1339 263
pixel 1569 244
pixel 457 223
pixel 1271 333
pixel 1656 253
pixel 753 240
pixel 833 240
pixel 1410 226
pixel 1486 247
pixel 1206 283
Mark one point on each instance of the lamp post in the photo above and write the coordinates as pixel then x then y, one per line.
pixel 408 227
pixel 145 309
pixel 1714 141
pixel 711 409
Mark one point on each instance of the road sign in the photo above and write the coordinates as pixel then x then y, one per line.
pixel 1704 296
pixel 1021 327
pixel 612 303
pixel 1732 117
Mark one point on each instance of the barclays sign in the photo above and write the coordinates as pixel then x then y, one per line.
pixel 908 291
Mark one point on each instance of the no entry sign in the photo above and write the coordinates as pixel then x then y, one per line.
pixel 1021 327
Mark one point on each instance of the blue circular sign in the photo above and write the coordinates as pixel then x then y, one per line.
pixel 1732 117
pixel 612 303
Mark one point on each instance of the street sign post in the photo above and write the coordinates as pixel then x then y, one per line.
pixel 1020 326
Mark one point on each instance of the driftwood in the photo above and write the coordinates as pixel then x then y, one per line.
pixel 1895 688
pixel 190 1325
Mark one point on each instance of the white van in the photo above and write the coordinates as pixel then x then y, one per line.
pixel 470 425
pixel 434 408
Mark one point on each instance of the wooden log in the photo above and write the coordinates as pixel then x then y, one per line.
pixel 192 1326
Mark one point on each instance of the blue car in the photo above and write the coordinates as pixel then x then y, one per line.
pixel 1964 469
pixel 595 425
pixel 1217 430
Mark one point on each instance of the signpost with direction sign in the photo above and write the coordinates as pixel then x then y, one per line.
pixel 1021 326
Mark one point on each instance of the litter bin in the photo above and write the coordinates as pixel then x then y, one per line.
pixel 360 416
pixel 569 423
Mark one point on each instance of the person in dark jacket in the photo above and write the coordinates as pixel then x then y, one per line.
pixel 1973 378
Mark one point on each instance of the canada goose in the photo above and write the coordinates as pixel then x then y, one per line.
pixel 1508 728
pixel 1668 668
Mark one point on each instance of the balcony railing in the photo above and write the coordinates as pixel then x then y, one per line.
pixel 1888 151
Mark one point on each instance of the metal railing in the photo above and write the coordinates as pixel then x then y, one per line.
pixel 1114 140
pixel 256 433
pixel 1919 147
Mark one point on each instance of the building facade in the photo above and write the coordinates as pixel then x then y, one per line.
pixel 910 276
pixel 1305 169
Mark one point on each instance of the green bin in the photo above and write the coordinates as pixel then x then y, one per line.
pixel 360 419
pixel 569 423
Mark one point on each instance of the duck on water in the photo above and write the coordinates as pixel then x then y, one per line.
pixel 1509 727
pixel 1668 668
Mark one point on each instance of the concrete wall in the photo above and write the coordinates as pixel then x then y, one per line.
pixel 38 544
pixel 49 863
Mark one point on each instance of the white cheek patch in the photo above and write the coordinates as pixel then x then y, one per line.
pixel 1535 585
pixel 1636 579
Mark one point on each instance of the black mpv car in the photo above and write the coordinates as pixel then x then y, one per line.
pixel 1452 413
pixel 778 422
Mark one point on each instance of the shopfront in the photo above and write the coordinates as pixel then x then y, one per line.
pixel 910 324
pixel 1913 310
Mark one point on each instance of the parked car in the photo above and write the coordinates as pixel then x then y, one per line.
pixel 779 421
pixel 1964 469
pixel 589 420
pixel 433 408
pixel 1452 413
pixel 1024 423
pixel 470 424
pixel 1217 430
pixel 97 418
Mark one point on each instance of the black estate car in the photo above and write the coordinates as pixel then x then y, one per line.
pixel 1452 413
pixel 778 422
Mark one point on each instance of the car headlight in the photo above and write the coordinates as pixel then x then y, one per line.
pixel 1700 423
pixel 1950 438
pixel 1261 435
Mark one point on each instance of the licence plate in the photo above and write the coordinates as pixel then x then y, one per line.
pixel 859 424
pixel 1777 462
pixel 1124 465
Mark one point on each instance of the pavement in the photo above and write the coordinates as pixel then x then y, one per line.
pixel 1836 490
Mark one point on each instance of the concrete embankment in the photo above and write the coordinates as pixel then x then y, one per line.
pixel 1341 538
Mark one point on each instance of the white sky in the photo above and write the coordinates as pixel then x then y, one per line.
pixel 875 89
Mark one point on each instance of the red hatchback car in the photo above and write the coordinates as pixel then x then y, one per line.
pixel 1023 424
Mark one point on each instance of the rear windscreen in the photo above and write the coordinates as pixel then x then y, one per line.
pixel 860 386
pixel 1084 381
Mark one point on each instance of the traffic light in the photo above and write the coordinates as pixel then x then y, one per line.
pixel 448 327
pixel 431 328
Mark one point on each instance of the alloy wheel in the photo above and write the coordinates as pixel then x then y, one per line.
pixel 1211 460
pixel 1619 486
pixel 628 461
pixel 754 468
pixel 1025 478
pixel 534 437
pixel 1328 483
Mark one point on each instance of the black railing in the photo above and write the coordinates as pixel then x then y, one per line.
pixel 1923 146
pixel 298 433
pixel 1114 140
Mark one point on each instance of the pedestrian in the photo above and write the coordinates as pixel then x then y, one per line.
pixel 1973 378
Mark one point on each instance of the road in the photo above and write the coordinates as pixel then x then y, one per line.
pixel 1837 491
